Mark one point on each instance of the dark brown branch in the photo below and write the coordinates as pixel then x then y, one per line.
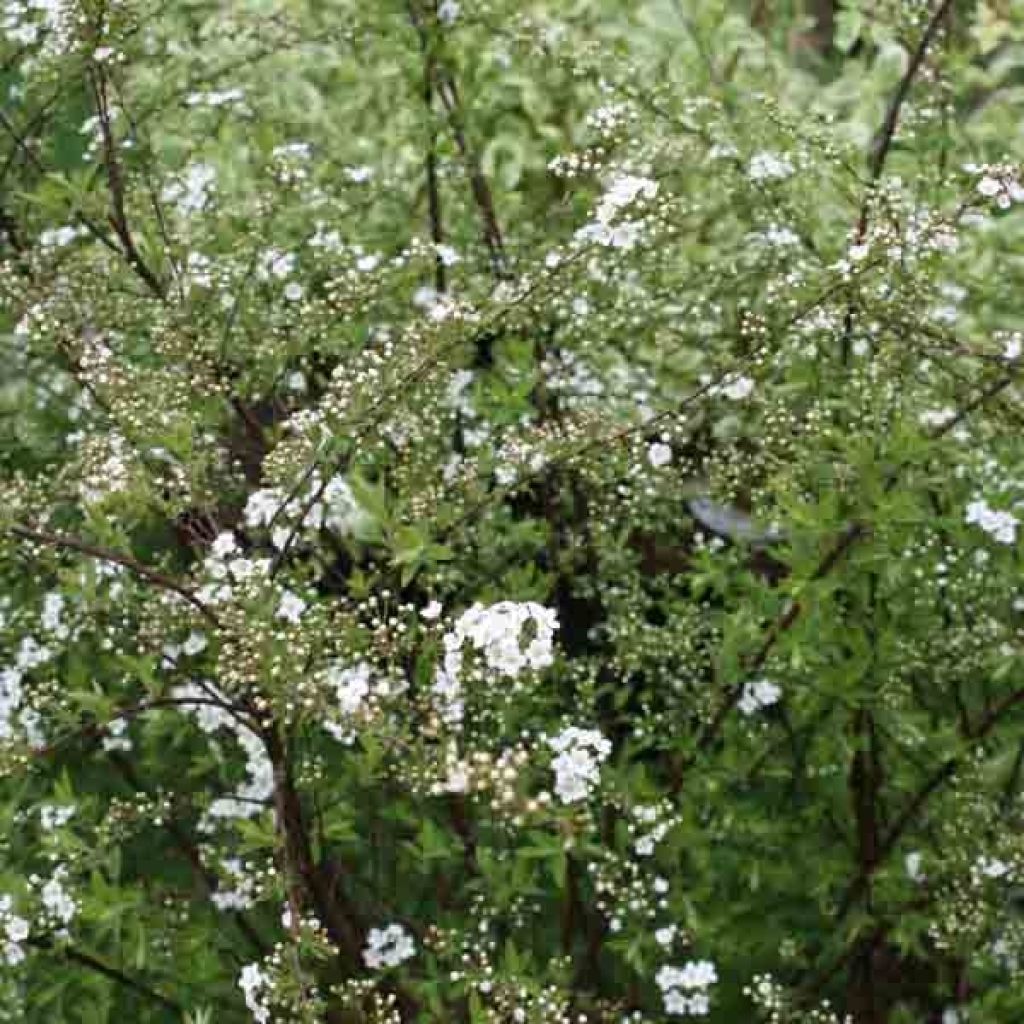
pixel 882 144
pixel 206 878
pixel 883 140
pixel 158 579
pixel 115 974
pixel 919 800
pixel 480 188
pixel 434 209
pixel 116 188
pixel 304 877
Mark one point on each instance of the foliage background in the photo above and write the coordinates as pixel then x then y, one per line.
pixel 497 436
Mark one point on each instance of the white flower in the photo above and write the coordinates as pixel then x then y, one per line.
pixel 55 815
pixel 53 606
pixel 57 238
pixel 621 192
pixel 359 175
pixel 768 166
pixel 274 263
pixel 293 291
pixel 693 975
pixel 388 947
pixel 665 936
pixel 991 867
pixel 758 695
pixel 191 194
pixel 252 981
pixel 989 186
pixel 659 454
pixel 261 506
pixel 684 989
pixel 497 631
pixel 447 255
pixel 448 11
pixel 432 611
pixel 351 685
pixel 56 899
pixel 738 388
pixel 936 417
pixel 194 643
pixel 241 893
pixel 912 862
pixel 1000 525
pixel 223 545
pixel 291 607
pixel 578 764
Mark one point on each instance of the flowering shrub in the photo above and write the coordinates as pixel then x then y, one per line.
pixel 509 512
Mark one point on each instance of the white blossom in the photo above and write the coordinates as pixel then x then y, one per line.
pixel 768 166
pixel 291 607
pixel 998 524
pixel 684 989
pixel 388 947
pixel 253 982
pixel 577 765
pixel 659 454
pixel 758 695
pixel 500 632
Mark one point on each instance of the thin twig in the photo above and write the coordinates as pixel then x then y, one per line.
pixel 158 579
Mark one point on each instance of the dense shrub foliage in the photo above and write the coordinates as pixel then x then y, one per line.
pixel 510 511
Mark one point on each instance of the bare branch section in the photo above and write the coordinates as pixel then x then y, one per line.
pixel 153 576
pixel 116 186
pixel 447 90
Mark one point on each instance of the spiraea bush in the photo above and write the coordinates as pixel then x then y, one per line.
pixel 510 511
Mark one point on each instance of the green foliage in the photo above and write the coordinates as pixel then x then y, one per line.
pixel 509 512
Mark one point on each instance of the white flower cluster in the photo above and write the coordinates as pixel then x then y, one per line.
pixel 251 797
pixel 351 688
pixel 110 463
pixel 337 510
pixel 991 867
pixel 998 524
pixel 53 816
pixel 49 22
pixel 58 903
pixel 226 566
pixel 388 947
pixel 498 631
pixel 192 192
pixel 215 98
pixel 577 766
pixel 241 893
pixel 659 454
pixel 254 982
pixel 13 712
pixel 768 166
pixel 652 822
pixel 622 192
pixel 1001 183
pixel 685 989
pixel 757 696
pixel 15 932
